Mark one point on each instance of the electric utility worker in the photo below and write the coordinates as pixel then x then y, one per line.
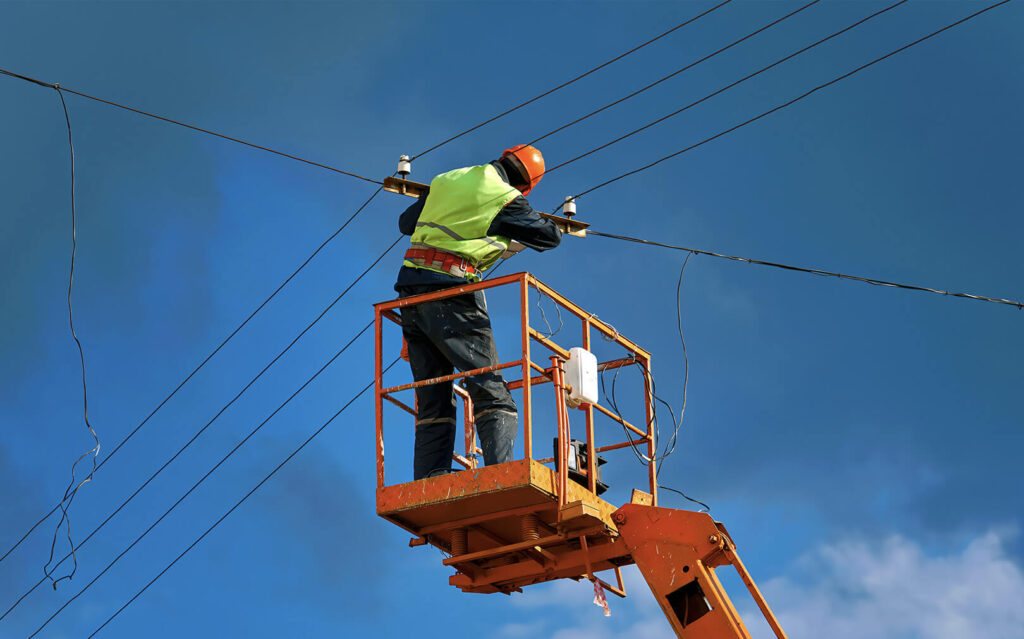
pixel 459 229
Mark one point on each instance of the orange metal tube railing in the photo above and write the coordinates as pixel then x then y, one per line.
pixel 553 374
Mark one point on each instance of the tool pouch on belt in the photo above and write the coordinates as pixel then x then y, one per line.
pixel 428 257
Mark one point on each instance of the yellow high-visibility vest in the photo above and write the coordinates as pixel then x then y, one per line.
pixel 459 209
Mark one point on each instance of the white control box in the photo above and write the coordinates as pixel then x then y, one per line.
pixel 581 375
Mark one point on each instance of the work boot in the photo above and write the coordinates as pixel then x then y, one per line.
pixel 438 472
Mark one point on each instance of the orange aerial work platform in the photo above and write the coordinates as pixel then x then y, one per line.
pixel 533 520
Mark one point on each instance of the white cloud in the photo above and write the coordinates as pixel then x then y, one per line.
pixel 892 589
pixel 850 589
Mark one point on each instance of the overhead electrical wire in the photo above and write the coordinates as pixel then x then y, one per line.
pixel 188 126
pixel 215 417
pixel 572 80
pixel 813 271
pixel 203 363
pixel 790 102
pixel 59 88
pixel 240 501
pixel 726 87
pixel 304 160
pixel 674 73
pixel 203 478
pixel 70 493
pixel 207 131
pixel 692 251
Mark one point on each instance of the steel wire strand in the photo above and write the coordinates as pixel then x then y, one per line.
pixel 679 492
pixel 814 271
pixel 201 364
pixel 202 479
pixel 613 401
pixel 240 501
pixel 674 73
pixel 793 101
pixel 206 426
pixel 74 484
pixel 544 316
pixel 643 459
pixel 571 81
pixel 671 445
pixel 653 420
pixel 725 88
pixel 188 126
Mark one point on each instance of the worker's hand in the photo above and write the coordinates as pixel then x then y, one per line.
pixel 513 248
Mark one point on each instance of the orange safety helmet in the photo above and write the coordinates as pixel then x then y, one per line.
pixel 531 161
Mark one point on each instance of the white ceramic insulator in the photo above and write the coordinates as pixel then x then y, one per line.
pixel 404 165
pixel 569 208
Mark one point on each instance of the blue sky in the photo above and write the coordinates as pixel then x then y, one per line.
pixel 861 444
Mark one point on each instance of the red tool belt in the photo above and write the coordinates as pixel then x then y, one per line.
pixel 441 260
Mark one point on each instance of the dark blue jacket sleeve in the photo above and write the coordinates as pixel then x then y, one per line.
pixel 407 221
pixel 520 222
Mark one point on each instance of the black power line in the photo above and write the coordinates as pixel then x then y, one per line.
pixel 239 502
pixel 568 82
pixel 69 495
pixel 219 413
pixel 727 87
pixel 674 73
pixel 201 364
pixel 813 271
pixel 187 126
pixel 794 100
pixel 633 239
pixel 203 478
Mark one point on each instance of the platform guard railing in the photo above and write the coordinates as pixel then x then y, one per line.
pixel 522 370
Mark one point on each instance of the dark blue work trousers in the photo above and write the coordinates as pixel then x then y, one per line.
pixel 444 335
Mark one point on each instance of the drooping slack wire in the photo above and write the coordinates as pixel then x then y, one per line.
pixel 572 80
pixel 642 458
pixel 240 501
pixel 813 271
pixel 75 484
pixel 219 413
pixel 203 363
pixel 728 86
pixel 671 445
pixel 189 126
pixel 793 101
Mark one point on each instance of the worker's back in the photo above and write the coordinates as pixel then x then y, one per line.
pixel 458 212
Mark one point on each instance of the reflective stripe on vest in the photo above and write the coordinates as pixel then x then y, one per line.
pixel 459 209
